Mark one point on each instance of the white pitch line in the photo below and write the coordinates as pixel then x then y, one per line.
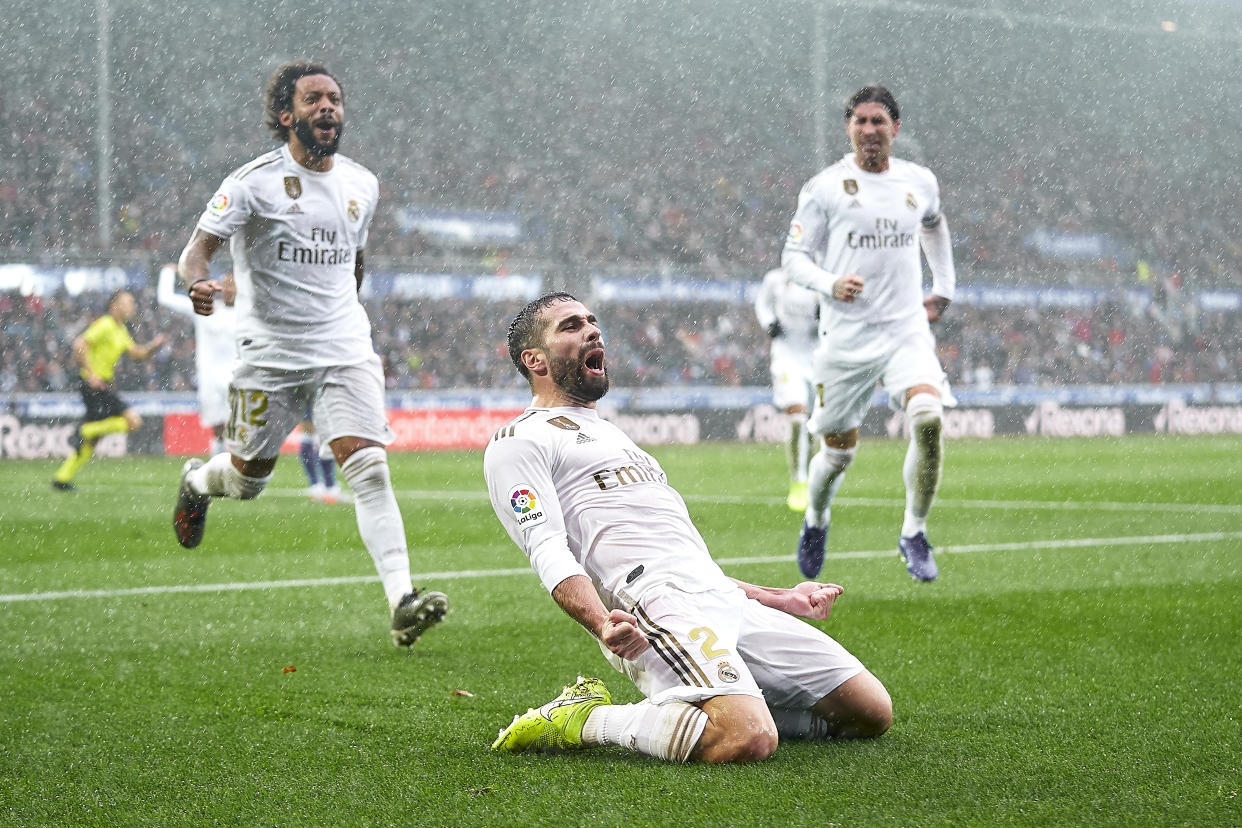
pixel 1072 543
pixel 1048 505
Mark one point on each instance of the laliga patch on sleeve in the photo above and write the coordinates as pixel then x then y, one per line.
pixel 527 506
pixel 795 232
pixel 219 203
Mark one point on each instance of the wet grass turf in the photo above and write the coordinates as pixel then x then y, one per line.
pixel 1057 673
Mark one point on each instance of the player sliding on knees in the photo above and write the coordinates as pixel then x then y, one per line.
pixel 296 219
pixel 855 239
pixel 726 668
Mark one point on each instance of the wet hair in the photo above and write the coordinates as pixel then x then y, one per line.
pixel 526 329
pixel 279 95
pixel 115 295
pixel 872 94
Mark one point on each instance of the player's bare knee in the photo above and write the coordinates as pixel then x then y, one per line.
pixel 132 421
pixel 875 719
pixel 737 744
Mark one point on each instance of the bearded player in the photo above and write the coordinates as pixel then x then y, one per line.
pixel 296 221
pixel 726 668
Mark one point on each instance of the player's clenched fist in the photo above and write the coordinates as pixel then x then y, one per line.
pixel 819 599
pixel 847 288
pixel 622 636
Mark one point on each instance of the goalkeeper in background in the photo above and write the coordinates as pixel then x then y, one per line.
pixel 97 351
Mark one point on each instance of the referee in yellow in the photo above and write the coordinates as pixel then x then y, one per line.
pixel 97 350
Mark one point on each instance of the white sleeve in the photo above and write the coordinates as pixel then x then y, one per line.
pixel 365 230
pixel 802 270
pixel 228 210
pixel 167 294
pixel 765 300
pixel 806 234
pixel 525 501
pixel 938 247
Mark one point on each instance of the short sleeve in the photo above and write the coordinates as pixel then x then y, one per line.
pixel 228 210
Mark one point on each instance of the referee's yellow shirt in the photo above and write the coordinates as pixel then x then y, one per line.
pixel 106 341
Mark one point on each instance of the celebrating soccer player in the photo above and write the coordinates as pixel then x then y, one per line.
pixel 726 667
pixel 855 239
pixel 296 219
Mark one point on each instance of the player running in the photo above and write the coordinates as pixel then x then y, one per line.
pixel 726 667
pixel 855 239
pixel 789 313
pixel 296 219
pixel 97 351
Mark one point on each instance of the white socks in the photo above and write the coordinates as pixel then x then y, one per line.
pixel 798 449
pixel 823 479
pixel 379 519
pixel 924 458
pixel 666 731
pixel 218 477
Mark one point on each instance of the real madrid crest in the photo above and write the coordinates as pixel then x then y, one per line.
pixel 726 672
pixel 293 187
pixel 910 202
pixel 354 210
pixel 851 186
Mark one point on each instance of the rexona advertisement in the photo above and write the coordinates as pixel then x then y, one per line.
pixel 40 426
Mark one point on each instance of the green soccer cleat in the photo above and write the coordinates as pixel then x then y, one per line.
pixel 558 724
pixel 798 497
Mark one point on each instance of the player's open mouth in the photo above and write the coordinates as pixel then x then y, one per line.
pixel 326 128
pixel 594 361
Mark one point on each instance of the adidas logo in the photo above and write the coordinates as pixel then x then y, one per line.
pixel 295 210
pixel 582 438
pixel 852 205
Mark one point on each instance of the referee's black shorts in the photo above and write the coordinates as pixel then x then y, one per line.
pixel 101 403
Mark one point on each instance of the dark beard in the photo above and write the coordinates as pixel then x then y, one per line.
pixel 568 376
pixel 306 134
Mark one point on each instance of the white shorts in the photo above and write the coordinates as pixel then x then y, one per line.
pixel 791 383
pixel 844 388
pixel 721 643
pixel 265 405
pixel 213 395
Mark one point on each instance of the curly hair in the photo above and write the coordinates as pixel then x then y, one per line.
pixel 527 328
pixel 279 95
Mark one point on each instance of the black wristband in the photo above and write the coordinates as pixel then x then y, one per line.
pixel 192 284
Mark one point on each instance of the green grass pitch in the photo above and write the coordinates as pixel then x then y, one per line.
pixel 1079 661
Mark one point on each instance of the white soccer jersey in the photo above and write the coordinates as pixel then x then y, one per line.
pixel 853 221
pixel 215 346
pixel 796 308
pixel 294 234
pixel 579 497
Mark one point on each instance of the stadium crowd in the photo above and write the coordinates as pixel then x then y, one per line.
pixel 670 163
pixel 665 164
pixel 453 343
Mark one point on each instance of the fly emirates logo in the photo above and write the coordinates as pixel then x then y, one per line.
pixel 888 234
pixel 641 470
pixel 323 250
